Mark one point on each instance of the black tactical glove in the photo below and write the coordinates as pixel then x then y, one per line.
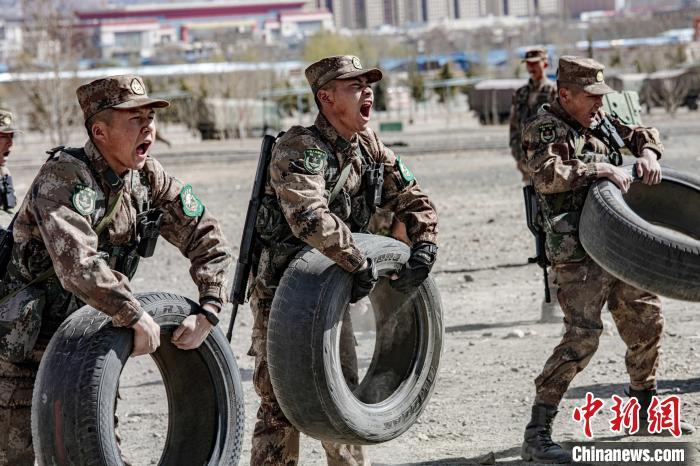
pixel 416 270
pixel 363 281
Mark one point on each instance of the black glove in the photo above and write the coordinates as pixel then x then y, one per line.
pixel 416 270
pixel 363 281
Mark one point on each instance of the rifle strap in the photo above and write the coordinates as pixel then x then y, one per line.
pixel 578 145
pixel 340 183
pixel 50 272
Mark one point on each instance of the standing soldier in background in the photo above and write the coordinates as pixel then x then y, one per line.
pixel 321 187
pixel 527 100
pixel 8 201
pixel 90 214
pixel 565 155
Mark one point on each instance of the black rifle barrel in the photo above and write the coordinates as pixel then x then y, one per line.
pixel 532 212
pixel 245 253
pixel 610 132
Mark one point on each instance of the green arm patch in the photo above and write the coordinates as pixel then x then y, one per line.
pixel 406 173
pixel 83 199
pixel 314 160
pixel 191 205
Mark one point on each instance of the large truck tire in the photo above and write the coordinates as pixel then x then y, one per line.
pixel 304 348
pixel 76 389
pixel 648 237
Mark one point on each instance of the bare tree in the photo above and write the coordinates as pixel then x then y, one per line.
pixel 47 66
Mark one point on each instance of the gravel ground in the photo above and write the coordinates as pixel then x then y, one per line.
pixel 493 346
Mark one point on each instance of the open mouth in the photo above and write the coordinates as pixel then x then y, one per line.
pixel 366 109
pixel 142 148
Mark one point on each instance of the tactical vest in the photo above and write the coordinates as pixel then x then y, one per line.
pixel 124 258
pixel 524 109
pixel 561 211
pixel 355 210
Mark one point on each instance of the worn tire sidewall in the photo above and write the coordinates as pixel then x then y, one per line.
pixel 343 417
pixel 60 361
pixel 635 251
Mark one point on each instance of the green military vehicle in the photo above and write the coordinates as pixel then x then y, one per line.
pixel 624 106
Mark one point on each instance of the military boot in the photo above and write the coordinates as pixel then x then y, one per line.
pixel 538 445
pixel 644 399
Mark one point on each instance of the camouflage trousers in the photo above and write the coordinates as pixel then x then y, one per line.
pixel 275 439
pixel 584 287
pixel 16 385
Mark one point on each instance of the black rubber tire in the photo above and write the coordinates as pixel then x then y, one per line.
pixel 76 388
pixel 650 237
pixel 303 348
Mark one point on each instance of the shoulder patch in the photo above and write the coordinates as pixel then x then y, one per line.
pixel 83 199
pixel 191 205
pixel 548 132
pixel 406 173
pixel 314 160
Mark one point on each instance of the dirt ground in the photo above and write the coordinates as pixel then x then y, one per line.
pixel 493 346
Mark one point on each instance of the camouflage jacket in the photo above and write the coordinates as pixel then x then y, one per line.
pixel 526 102
pixel 56 223
pixel 304 160
pixel 561 156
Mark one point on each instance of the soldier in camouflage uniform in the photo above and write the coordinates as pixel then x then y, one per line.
pixel 8 201
pixel 527 100
pixel 318 192
pixel 565 157
pixel 111 179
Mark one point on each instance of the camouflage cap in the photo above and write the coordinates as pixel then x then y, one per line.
pixel 534 55
pixel 583 72
pixel 7 122
pixel 339 67
pixel 123 91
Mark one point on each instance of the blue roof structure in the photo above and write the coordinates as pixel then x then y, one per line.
pixel 426 62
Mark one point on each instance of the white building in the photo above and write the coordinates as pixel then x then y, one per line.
pixel 293 26
pixel 373 14
pixel 10 39
pixel 439 10
pixel 407 11
pixel 133 38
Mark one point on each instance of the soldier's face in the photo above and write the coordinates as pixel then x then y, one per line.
pixel 536 69
pixel 5 146
pixel 350 104
pixel 581 105
pixel 127 140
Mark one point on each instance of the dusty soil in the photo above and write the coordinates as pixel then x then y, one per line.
pixel 493 346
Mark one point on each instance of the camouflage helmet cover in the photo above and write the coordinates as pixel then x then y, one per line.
pixel 123 91
pixel 585 73
pixel 327 69
pixel 535 55
pixel 7 122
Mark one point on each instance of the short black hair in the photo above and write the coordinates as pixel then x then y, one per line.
pixel 105 116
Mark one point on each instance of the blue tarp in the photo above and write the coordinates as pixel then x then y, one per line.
pixel 464 60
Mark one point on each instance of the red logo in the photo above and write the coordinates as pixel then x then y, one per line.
pixel 665 415
pixel 626 415
pixel 662 414
pixel 585 413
